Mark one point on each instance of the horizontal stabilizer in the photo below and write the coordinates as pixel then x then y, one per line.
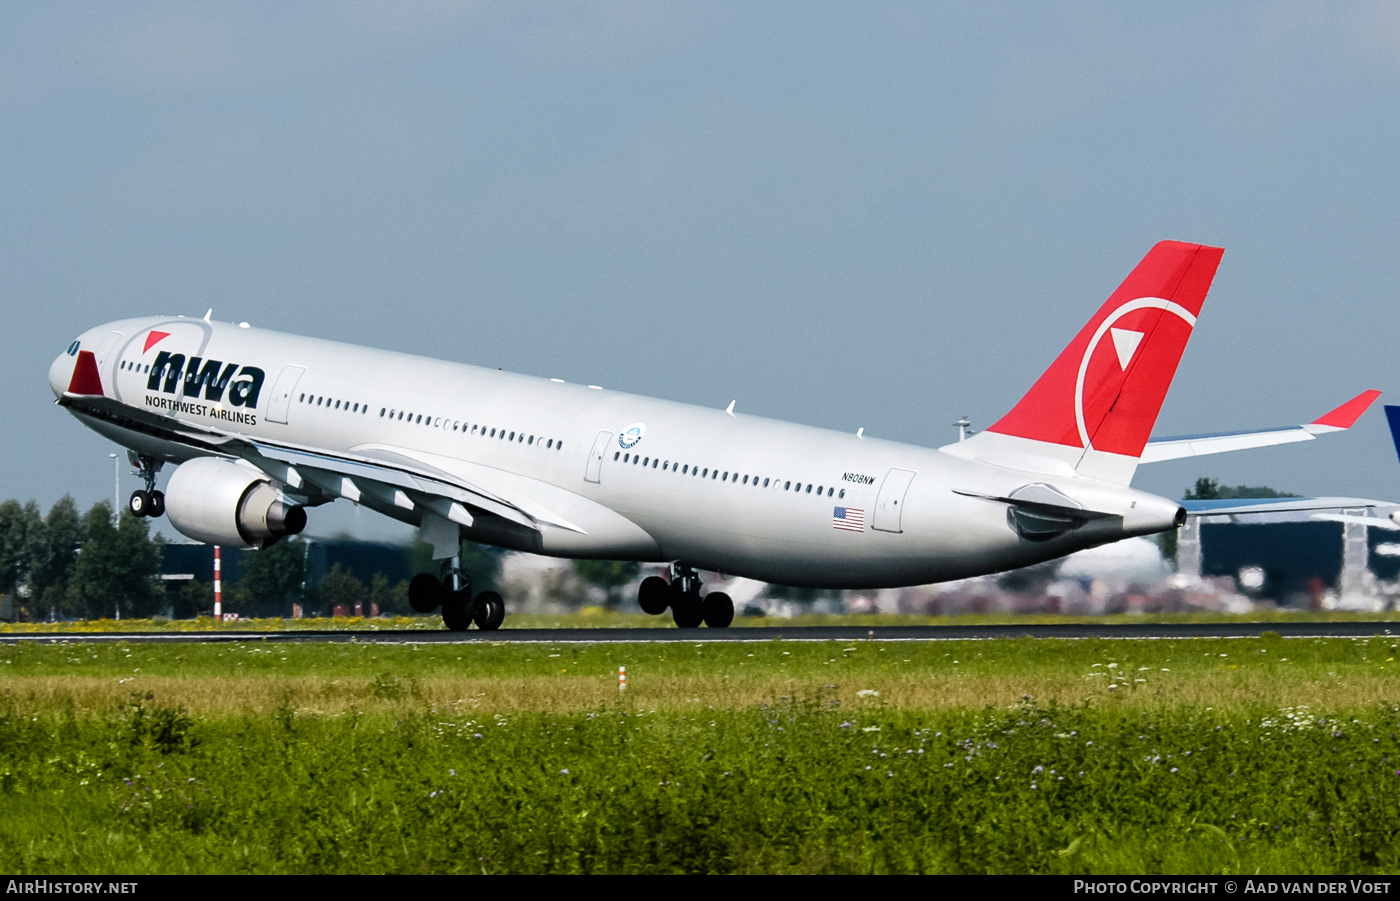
pixel 1337 420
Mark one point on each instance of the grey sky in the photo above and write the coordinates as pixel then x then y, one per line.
pixel 840 214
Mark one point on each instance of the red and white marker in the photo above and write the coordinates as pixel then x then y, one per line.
pixel 218 588
pixel 622 678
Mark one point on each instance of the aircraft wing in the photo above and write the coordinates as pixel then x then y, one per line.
pixel 377 475
pixel 396 479
pixel 1337 420
pixel 1237 506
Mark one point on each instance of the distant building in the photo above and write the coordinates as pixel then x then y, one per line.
pixel 1347 555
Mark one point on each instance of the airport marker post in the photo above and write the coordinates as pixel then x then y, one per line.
pixel 218 588
pixel 622 678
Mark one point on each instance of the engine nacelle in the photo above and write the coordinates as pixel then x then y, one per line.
pixel 219 502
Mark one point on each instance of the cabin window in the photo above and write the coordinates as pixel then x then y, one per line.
pixel 512 436
pixel 809 487
pixel 646 460
pixel 626 458
pixel 616 454
pixel 843 492
pixel 318 401
pixel 765 483
pixel 787 485
pixel 654 462
pixel 550 445
pixel 493 433
pixel 746 480
pixel 532 440
pixel 706 473
pixel 381 412
pixel 715 474
pixel 830 492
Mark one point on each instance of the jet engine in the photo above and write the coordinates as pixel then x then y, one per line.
pixel 220 502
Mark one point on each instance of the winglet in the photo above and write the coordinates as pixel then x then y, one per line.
pixel 1346 415
pixel 85 377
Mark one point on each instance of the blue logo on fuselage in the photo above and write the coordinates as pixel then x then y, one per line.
pixel 631 435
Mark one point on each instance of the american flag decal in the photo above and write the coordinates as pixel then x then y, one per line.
pixel 848 519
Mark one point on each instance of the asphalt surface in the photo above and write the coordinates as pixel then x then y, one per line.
pixel 767 633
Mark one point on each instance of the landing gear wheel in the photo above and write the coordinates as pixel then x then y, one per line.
pixel 490 611
pixel 425 593
pixel 687 610
pixel 718 610
pixel 654 595
pixel 158 504
pixel 140 503
pixel 457 610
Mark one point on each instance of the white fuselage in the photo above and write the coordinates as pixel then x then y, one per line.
pixel 711 489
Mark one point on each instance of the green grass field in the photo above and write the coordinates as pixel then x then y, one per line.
pixel 1046 756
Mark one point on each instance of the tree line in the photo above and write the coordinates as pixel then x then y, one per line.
pixel 83 565
pixel 95 565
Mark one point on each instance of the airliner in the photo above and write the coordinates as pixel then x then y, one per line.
pixel 262 426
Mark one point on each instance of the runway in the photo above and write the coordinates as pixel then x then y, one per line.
pixel 1143 631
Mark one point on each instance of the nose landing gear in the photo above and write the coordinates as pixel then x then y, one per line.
pixel 682 595
pixel 148 501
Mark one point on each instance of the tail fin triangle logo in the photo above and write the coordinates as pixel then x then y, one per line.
pixel 1125 342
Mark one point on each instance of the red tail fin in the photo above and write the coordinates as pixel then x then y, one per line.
pixel 1105 389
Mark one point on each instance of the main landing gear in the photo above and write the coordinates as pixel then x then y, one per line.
pixel 453 593
pixel 682 595
pixel 149 501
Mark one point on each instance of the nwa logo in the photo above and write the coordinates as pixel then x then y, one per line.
pixel 212 376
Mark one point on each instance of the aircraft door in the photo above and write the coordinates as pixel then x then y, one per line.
pixel 108 345
pixel 282 392
pixel 595 457
pixel 889 504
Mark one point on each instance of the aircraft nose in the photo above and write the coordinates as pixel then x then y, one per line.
pixel 61 373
